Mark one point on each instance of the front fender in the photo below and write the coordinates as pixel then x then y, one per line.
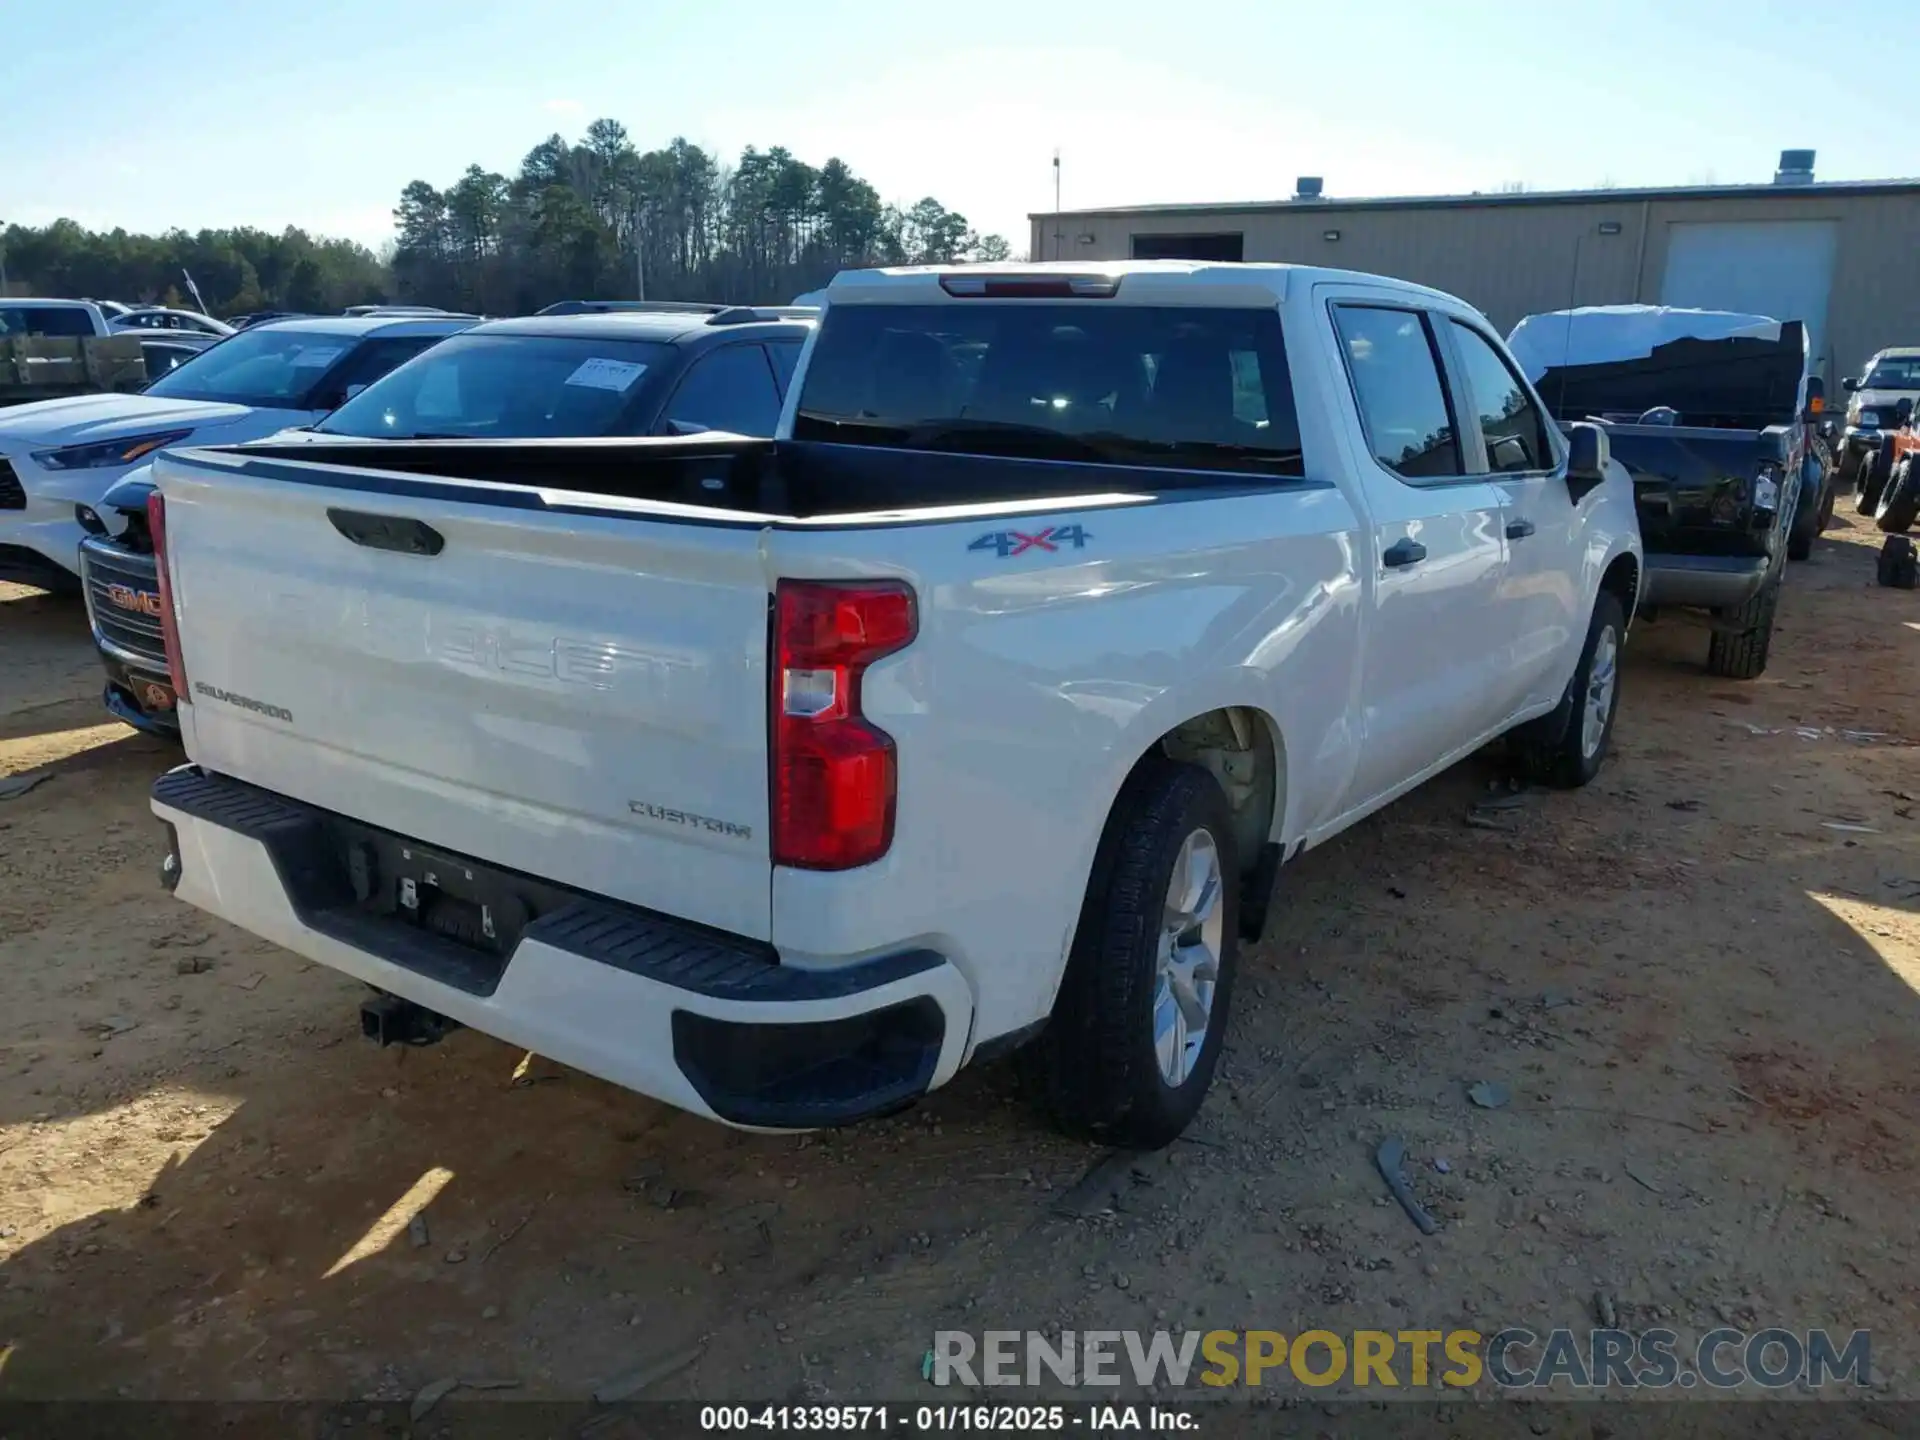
pixel 1610 526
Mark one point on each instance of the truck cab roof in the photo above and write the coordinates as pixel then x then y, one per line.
pixel 1158 282
pixel 664 327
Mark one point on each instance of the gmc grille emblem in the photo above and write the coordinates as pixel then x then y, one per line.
pixel 143 602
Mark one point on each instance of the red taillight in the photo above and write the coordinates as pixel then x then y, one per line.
pixel 169 621
pixel 1031 287
pixel 834 774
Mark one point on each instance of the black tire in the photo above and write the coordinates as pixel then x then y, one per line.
pixel 1096 1060
pixel 1743 638
pixel 1897 564
pixel 1806 521
pixel 1553 749
pixel 1874 471
pixel 1827 502
pixel 1899 501
pixel 1847 474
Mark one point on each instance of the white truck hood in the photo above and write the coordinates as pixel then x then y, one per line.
pixel 82 419
pixel 1599 334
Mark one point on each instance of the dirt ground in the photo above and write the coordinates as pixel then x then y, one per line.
pixel 1699 978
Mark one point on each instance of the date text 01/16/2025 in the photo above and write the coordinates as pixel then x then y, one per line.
pixel 948 1419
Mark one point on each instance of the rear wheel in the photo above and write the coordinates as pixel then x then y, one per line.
pixel 1806 524
pixel 1899 501
pixel 1567 746
pixel 1142 1010
pixel 1826 506
pixel 1742 638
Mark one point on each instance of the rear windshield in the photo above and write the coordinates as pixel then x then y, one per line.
pixel 1089 380
pixel 513 387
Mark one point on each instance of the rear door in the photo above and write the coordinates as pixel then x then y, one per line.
pixel 1438 641
pixel 1509 441
pixel 562 688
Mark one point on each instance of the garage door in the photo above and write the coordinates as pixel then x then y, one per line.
pixel 1778 268
pixel 1189 247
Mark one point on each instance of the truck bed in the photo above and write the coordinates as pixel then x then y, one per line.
pixel 727 480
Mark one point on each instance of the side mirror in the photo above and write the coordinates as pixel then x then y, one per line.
pixel 1588 452
pixel 1816 399
pixel 1850 384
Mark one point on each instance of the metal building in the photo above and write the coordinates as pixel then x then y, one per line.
pixel 1843 257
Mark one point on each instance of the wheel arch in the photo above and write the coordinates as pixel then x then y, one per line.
pixel 1622 579
pixel 1243 745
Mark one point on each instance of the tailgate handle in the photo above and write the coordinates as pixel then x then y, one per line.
pixel 388 532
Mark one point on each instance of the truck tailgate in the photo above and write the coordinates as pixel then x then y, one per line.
pixel 565 687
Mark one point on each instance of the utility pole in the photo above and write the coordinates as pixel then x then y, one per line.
pixel 1057 236
pixel 639 258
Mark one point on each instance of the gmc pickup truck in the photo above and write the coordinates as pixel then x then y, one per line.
pixel 780 778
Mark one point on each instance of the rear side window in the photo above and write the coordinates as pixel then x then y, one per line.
pixel 160 359
pixel 727 389
pixel 1510 422
pixel 1396 380
pixel 45 320
pixel 1082 380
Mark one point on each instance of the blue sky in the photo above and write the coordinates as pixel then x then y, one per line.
pixel 123 112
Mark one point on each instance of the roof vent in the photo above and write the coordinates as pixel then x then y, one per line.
pixel 1308 187
pixel 1796 168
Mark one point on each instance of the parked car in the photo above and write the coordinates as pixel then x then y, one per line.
pixel 1873 412
pixel 779 778
pixel 159 317
pixel 1713 414
pixel 261 317
pixel 254 383
pixel 507 380
pixel 657 372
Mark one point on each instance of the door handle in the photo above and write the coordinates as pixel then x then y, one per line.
pixel 388 532
pixel 1403 552
pixel 1519 529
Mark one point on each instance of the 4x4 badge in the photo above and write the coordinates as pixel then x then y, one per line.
pixel 1005 543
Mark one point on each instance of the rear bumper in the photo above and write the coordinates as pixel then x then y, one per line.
pixel 1711 581
pixel 711 1023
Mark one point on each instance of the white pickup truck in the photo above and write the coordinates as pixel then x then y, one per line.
pixel 779 779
